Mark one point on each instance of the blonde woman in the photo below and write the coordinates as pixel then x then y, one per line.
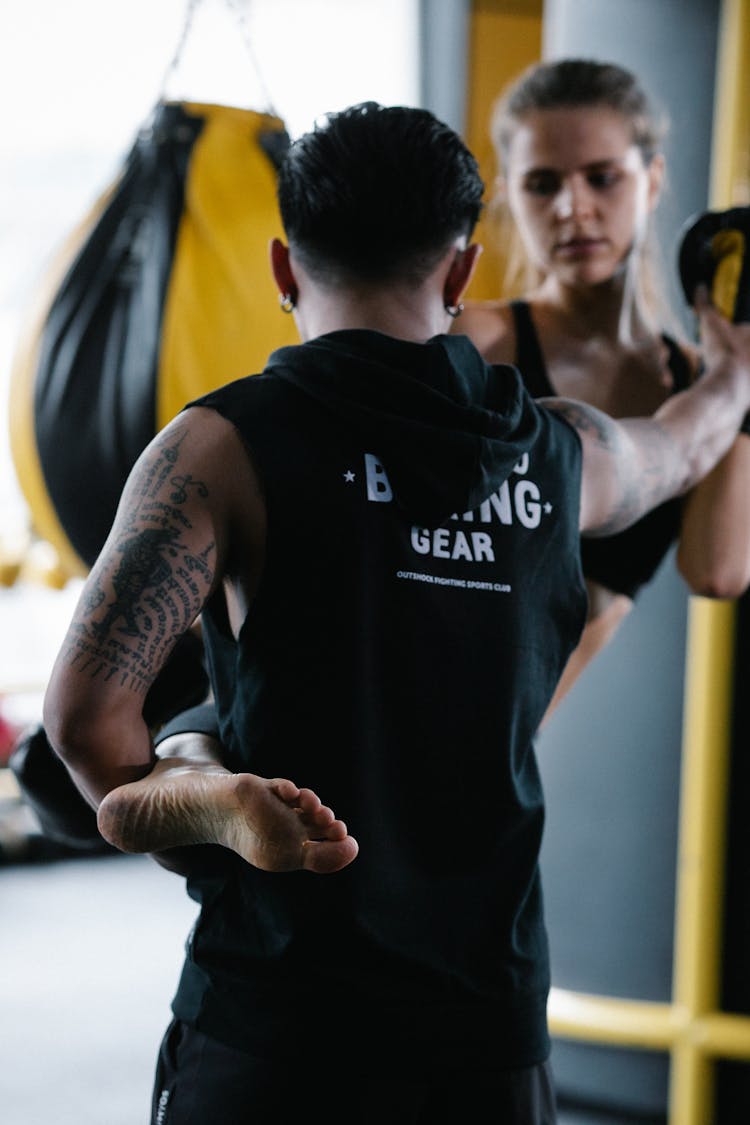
pixel 581 173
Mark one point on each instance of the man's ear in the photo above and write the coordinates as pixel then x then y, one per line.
pixel 460 273
pixel 282 269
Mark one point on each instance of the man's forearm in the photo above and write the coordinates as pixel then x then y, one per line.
pixel 101 750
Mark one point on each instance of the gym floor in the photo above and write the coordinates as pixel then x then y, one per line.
pixel 90 952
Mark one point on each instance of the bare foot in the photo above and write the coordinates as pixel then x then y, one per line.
pixel 284 828
pixel 272 824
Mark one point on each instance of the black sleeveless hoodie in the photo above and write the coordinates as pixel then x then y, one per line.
pixel 421 593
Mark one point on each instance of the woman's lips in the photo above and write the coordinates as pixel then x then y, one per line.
pixel 579 247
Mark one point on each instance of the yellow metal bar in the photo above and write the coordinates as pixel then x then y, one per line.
pixel 705 767
pixel 724 1036
pixel 700 870
pixel 730 155
pixel 708 682
pixel 691 1087
pixel 613 1021
pixel 692 1027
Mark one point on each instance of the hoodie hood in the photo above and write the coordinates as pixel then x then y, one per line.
pixel 447 427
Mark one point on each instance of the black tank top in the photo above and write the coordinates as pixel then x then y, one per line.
pixel 627 561
pixel 401 670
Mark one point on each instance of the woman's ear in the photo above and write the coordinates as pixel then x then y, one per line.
pixel 501 189
pixel 656 173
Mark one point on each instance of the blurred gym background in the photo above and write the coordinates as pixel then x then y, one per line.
pixel 647 839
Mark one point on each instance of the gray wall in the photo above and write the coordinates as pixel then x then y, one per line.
pixel 444 51
pixel 610 758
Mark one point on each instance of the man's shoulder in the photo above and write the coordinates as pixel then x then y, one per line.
pixel 233 398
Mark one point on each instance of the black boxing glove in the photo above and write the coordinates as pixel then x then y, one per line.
pixel 714 252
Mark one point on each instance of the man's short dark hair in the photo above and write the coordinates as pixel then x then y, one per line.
pixel 377 193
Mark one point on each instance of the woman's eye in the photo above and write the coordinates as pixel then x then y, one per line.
pixel 604 179
pixel 542 183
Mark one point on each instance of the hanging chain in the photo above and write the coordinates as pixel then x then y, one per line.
pixel 190 10
pixel 239 9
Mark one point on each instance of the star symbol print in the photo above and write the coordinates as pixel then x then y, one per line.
pixel 348 476
pixel 547 508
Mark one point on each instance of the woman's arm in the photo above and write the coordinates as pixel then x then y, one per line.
pixel 713 554
pixel 607 610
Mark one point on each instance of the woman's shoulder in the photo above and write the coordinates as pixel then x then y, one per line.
pixel 490 326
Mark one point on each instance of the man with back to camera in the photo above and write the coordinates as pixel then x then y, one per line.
pixel 381 533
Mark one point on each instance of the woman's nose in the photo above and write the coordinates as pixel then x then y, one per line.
pixel 573 199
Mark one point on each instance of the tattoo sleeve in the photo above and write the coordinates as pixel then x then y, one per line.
pixel 638 464
pixel 153 576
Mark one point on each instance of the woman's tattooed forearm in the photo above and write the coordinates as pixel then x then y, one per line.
pixel 154 584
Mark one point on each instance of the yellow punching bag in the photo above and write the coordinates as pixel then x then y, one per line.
pixel 163 293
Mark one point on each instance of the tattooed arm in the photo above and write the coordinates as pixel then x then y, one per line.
pixel 161 561
pixel 191 516
pixel 634 464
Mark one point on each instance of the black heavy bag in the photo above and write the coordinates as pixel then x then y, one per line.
pixel 163 294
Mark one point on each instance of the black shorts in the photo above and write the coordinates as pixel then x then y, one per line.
pixel 200 1081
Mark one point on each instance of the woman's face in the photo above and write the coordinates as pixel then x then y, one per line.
pixel 579 192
